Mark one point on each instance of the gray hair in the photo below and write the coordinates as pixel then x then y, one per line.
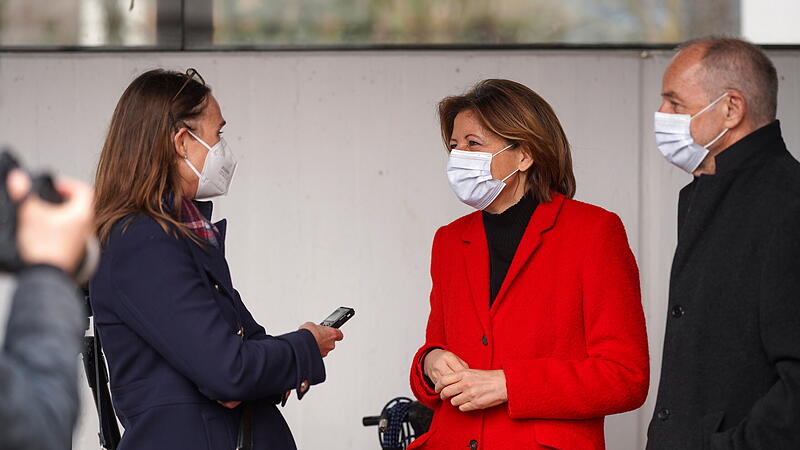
pixel 731 63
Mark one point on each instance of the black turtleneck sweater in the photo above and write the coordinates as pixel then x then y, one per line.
pixel 503 233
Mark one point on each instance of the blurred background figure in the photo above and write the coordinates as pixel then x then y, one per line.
pixel 38 363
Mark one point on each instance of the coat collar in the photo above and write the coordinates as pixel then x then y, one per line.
pixel 213 258
pixel 476 254
pixel 700 200
pixel 750 148
pixel 206 208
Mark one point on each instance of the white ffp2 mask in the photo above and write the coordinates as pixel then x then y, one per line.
pixel 215 178
pixel 674 138
pixel 470 176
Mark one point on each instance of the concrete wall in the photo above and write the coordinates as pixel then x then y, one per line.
pixel 341 186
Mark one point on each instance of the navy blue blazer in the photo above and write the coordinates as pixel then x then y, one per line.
pixel 178 338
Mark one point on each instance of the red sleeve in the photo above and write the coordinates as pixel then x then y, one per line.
pixel 614 376
pixel 434 337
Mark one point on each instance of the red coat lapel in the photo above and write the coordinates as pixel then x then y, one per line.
pixel 476 264
pixel 544 218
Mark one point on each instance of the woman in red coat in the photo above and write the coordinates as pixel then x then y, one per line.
pixel 536 330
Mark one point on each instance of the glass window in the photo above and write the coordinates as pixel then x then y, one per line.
pixel 77 23
pixel 404 22
pixel 209 24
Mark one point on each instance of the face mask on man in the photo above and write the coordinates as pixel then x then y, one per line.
pixel 217 172
pixel 470 176
pixel 674 138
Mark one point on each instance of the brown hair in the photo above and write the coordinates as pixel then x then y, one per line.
pixel 516 113
pixel 138 168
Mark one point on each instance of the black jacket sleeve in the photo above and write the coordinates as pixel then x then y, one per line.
pixel 774 420
pixel 39 362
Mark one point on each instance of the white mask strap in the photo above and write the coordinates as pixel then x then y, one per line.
pixel 191 166
pixel 186 158
pixel 710 105
pixel 509 175
pixel 199 140
pixel 719 136
pixel 501 151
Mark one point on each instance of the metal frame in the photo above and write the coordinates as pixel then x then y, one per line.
pixel 170 32
pixel 182 29
pixel 362 48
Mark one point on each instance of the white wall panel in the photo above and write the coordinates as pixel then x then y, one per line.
pixel 341 186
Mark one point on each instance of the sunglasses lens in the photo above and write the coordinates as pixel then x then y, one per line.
pixel 191 74
pixel 195 75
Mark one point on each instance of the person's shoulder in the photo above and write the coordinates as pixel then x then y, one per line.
pixel 139 229
pixel 456 228
pixel 775 192
pixel 587 213
pixel 593 226
pixel 783 173
pixel 773 188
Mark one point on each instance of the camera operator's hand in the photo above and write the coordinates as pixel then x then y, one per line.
pixel 326 336
pixel 53 234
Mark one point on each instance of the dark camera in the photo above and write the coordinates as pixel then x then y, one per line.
pixel 41 186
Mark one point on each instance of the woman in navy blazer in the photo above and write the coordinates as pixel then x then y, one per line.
pixel 189 366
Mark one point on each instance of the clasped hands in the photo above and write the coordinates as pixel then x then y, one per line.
pixel 467 389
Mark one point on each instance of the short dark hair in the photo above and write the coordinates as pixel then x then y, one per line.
pixel 732 63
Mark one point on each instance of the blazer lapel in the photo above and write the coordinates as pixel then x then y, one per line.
pixel 476 264
pixel 213 258
pixel 696 219
pixel 543 219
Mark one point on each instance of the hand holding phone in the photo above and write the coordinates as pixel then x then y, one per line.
pixel 327 333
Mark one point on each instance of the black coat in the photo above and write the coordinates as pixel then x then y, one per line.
pixel 731 372
pixel 38 377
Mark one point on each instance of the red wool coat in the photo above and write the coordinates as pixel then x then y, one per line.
pixel 566 327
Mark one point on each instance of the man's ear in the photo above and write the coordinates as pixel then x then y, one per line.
pixel 735 109
pixel 527 158
pixel 179 142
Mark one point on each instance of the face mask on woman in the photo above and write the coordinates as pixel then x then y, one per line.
pixel 470 176
pixel 674 138
pixel 217 172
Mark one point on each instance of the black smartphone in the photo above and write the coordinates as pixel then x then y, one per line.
pixel 339 317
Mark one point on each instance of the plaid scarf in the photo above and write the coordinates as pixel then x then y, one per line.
pixel 191 217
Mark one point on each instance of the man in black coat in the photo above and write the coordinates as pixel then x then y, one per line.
pixel 730 377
